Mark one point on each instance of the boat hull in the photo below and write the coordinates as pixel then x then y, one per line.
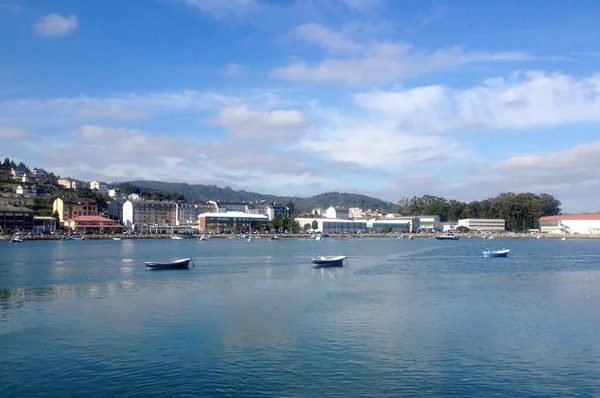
pixel 446 237
pixel 337 261
pixel 499 253
pixel 179 264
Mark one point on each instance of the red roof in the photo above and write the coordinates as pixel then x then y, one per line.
pixel 92 218
pixel 567 217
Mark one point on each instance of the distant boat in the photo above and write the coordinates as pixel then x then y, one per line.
pixel 203 237
pixel 176 237
pixel 249 239
pixel 328 261
pixel 16 239
pixel 77 238
pixel 447 236
pixel 319 237
pixel 275 237
pixel 563 238
pixel 116 238
pixel 496 253
pixel 183 263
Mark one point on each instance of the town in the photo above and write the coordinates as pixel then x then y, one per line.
pixel 109 211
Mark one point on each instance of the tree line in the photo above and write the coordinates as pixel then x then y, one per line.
pixel 520 211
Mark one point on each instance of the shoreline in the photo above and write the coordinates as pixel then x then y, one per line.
pixel 305 236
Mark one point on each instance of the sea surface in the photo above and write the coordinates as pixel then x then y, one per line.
pixel 402 318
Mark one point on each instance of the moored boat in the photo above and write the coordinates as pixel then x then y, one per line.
pixel 496 253
pixel 16 239
pixel 447 236
pixel 183 263
pixel 328 261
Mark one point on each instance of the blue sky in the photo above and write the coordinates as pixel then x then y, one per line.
pixel 459 99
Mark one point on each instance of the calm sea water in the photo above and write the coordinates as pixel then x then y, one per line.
pixel 402 318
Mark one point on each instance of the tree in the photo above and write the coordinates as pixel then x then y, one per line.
pixel 57 218
pixel 291 208
pixel 6 164
pixel 462 229
pixel 315 224
pixel 306 227
pixel 386 230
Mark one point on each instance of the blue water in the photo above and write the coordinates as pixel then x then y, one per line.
pixel 402 318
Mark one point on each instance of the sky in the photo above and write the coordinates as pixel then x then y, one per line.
pixel 392 99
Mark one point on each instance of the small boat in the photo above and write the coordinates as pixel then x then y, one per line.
pixel 275 237
pixel 77 238
pixel 203 237
pixel 563 238
pixel 328 261
pixel 116 238
pixel 447 236
pixel 249 239
pixel 183 263
pixel 176 237
pixel 319 237
pixel 16 239
pixel 496 253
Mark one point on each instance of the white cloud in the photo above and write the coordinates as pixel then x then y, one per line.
pixel 11 132
pixel 56 25
pixel 373 61
pixel 111 111
pixel 531 99
pixel 334 42
pixel 223 8
pixel 259 125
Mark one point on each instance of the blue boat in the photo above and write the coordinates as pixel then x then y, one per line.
pixel 328 261
pixel 497 253
pixel 183 263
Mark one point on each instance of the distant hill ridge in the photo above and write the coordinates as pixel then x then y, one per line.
pixel 199 192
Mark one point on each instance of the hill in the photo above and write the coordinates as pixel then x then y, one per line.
pixel 199 192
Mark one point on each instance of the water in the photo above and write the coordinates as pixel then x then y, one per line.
pixel 402 318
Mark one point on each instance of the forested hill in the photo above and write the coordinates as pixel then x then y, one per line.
pixel 199 192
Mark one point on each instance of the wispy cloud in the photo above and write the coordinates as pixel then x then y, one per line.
pixel 56 25
pixel 12 132
pixel 111 111
pixel 11 7
pixel 233 69
pixel 369 61
pixel 259 125
pixel 435 13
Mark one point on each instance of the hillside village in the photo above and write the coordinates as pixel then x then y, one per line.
pixel 35 201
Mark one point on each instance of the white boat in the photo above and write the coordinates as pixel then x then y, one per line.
pixel 116 238
pixel 249 239
pixel 328 261
pixel 203 237
pixel 318 237
pixel 16 239
pixel 496 253
pixel 563 238
pixel 447 236
pixel 176 237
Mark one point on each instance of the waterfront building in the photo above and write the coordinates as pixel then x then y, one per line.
pixel 571 224
pixel 483 224
pixel 99 186
pixel 115 208
pixel 70 183
pixel 226 206
pixel 187 212
pixel 69 208
pixel 95 224
pixel 275 210
pixel 338 213
pixel 142 214
pixel 15 219
pixel 398 224
pixel 235 220
pixel 44 224
pixel 331 225
pixel 430 223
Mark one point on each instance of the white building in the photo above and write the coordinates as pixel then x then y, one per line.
pixel 99 186
pixel 114 193
pixel 187 212
pixel 330 225
pixel 430 223
pixel 397 224
pixel 483 224
pixel 232 220
pixel 337 213
pixel 571 224
pixel 141 214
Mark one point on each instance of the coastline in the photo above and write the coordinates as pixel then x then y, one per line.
pixel 304 236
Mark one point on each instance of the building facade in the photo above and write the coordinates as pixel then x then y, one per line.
pixel 99 186
pixel 398 224
pixel 70 183
pixel 226 206
pixel 115 209
pixel 275 210
pixel 68 208
pixel 235 220
pixel 15 219
pixel 571 224
pixel 430 223
pixel 329 225
pixel 95 224
pixel 187 212
pixel 483 224
pixel 140 213
pixel 114 193
pixel 337 213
